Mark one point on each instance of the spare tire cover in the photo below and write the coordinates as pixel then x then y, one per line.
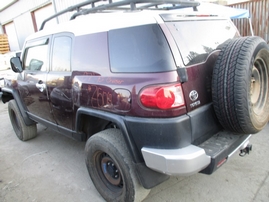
pixel 240 85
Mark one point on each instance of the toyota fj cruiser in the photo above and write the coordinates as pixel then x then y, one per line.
pixel 154 91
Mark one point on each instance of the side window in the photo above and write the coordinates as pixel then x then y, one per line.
pixel 139 49
pixel 61 54
pixel 36 58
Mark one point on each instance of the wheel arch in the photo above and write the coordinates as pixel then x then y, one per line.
pixel 116 119
pixel 147 177
pixel 10 94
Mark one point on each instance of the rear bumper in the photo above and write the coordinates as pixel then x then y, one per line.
pixel 184 161
pixel 206 157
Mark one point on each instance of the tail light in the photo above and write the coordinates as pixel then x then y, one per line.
pixel 162 97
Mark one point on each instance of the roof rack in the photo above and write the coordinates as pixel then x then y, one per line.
pixel 110 5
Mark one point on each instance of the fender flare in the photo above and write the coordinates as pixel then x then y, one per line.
pixel 117 119
pixel 20 104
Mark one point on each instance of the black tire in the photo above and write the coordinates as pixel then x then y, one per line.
pixel 111 168
pixel 22 131
pixel 240 84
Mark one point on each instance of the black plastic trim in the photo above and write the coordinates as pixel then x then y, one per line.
pixel 160 133
pixel 204 123
pixel 182 73
pixel 149 178
pixel 64 131
pixel 49 124
pixel 118 120
pixel 224 151
pixel 19 102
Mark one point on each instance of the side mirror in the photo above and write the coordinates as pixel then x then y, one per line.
pixel 15 63
pixel 18 54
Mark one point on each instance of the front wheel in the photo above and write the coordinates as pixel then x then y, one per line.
pixel 111 167
pixel 23 131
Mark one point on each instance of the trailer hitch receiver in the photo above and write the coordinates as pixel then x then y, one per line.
pixel 246 150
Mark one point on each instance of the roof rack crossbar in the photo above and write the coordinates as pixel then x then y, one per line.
pixel 122 5
pixel 69 9
pixel 112 5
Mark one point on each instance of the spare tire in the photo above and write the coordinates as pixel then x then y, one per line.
pixel 240 85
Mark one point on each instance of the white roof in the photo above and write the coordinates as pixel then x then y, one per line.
pixel 101 22
pixel 215 9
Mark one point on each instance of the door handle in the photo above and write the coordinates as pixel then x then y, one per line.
pixel 41 86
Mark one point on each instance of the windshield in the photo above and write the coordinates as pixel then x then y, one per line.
pixel 197 39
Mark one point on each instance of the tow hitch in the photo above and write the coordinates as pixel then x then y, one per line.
pixel 246 150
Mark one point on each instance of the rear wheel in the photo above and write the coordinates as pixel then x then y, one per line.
pixel 111 168
pixel 240 87
pixel 22 131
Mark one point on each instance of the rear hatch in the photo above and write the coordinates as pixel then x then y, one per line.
pixel 198 39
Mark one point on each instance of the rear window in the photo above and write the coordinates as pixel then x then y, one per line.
pixel 139 49
pixel 197 39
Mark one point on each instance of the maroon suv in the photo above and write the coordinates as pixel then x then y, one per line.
pixel 153 92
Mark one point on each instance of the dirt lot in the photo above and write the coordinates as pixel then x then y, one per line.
pixel 51 168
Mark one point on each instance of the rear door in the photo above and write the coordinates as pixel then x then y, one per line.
pixel 59 81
